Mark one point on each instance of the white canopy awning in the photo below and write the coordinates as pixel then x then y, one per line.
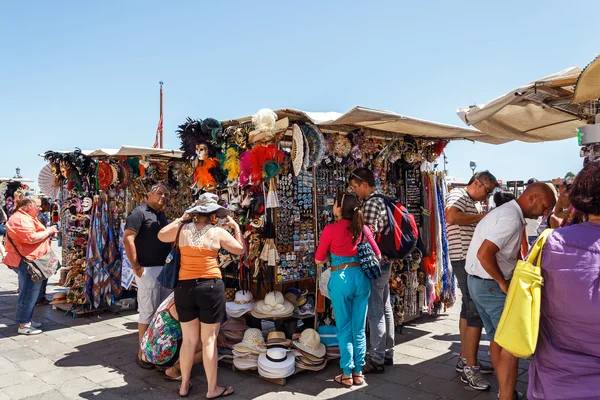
pixel 537 112
pixel 386 123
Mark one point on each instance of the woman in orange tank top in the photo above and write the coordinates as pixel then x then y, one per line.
pixel 200 291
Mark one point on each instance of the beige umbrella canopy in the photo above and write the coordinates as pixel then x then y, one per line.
pixel 537 112
pixel 588 84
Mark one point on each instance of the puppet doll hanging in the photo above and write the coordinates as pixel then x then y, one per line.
pixel 199 142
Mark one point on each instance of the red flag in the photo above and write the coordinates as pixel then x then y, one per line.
pixel 158 132
pixel 158 142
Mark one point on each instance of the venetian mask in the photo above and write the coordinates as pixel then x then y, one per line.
pixel 202 151
pixel 341 146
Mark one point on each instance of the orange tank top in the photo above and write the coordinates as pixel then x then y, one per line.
pixel 198 258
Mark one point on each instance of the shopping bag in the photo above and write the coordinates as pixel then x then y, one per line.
pixel 169 276
pixel 519 325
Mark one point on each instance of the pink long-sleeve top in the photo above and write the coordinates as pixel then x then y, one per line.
pixel 337 239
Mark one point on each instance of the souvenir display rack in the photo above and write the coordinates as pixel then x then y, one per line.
pixel 97 193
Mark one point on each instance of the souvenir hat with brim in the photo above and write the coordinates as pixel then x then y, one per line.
pixel 245 364
pixel 253 342
pixel 310 367
pixel 207 203
pixel 309 343
pixel 297 149
pixel 243 301
pixel 265 373
pixel 276 362
pixel 277 338
pixel 274 304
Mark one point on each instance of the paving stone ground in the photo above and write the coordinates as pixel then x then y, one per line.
pixel 93 358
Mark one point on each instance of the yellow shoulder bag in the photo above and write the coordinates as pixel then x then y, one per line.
pixel 519 325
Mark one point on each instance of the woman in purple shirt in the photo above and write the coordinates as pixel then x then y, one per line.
pixel 566 364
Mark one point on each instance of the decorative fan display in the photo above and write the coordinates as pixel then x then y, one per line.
pixel 49 183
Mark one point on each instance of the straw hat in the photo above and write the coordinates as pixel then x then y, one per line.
pixel 310 344
pixel 274 305
pixel 253 342
pixel 297 149
pixel 278 338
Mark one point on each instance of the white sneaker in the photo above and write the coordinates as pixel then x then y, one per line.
pixel 29 330
pixel 36 324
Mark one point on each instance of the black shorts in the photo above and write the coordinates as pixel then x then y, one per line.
pixel 468 309
pixel 201 298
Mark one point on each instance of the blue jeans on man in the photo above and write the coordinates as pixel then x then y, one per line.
pixel 29 292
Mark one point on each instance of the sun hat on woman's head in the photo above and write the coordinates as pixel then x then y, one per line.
pixel 207 203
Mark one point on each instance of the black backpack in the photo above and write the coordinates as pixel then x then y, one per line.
pixel 401 235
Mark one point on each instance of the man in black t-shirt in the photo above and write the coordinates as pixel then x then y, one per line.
pixel 147 256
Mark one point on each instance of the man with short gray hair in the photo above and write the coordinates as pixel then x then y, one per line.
pixel 147 256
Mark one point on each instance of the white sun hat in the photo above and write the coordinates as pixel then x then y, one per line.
pixel 277 362
pixel 243 303
pixel 274 305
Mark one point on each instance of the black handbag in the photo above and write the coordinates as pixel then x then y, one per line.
pixel 169 275
pixel 41 268
pixel 369 264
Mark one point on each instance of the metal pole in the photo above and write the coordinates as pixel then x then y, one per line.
pixel 161 115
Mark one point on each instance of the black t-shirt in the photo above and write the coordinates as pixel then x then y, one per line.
pixel 147 222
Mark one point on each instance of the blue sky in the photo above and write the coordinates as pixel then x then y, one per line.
pixel 86 74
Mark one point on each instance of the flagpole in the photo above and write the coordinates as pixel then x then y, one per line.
pixel 161 114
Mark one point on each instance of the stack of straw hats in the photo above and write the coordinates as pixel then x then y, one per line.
pixel 246 353
pixel 310 352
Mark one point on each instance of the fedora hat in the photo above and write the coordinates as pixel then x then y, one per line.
pixel 278 338
pixel 309 343
pixel 274 304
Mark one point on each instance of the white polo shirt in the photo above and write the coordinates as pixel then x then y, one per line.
pixel 503 226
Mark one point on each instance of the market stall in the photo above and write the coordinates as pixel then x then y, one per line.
pixel 279 171
pixel 96 191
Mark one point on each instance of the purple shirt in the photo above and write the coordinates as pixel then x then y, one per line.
pixel 566 363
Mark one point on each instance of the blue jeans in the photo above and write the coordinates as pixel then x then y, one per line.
pixel 42 294
pixel 381 319
pixel 29 292
pixel 349 290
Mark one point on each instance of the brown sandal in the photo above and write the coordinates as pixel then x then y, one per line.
pixel 358 379
pixel 340 380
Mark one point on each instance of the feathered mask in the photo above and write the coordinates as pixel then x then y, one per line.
pixel 195 132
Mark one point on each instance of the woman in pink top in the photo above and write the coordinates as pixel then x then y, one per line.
pixel 349 288
pixel 32 240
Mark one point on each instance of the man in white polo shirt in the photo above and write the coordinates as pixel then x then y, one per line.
pixel 491 260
